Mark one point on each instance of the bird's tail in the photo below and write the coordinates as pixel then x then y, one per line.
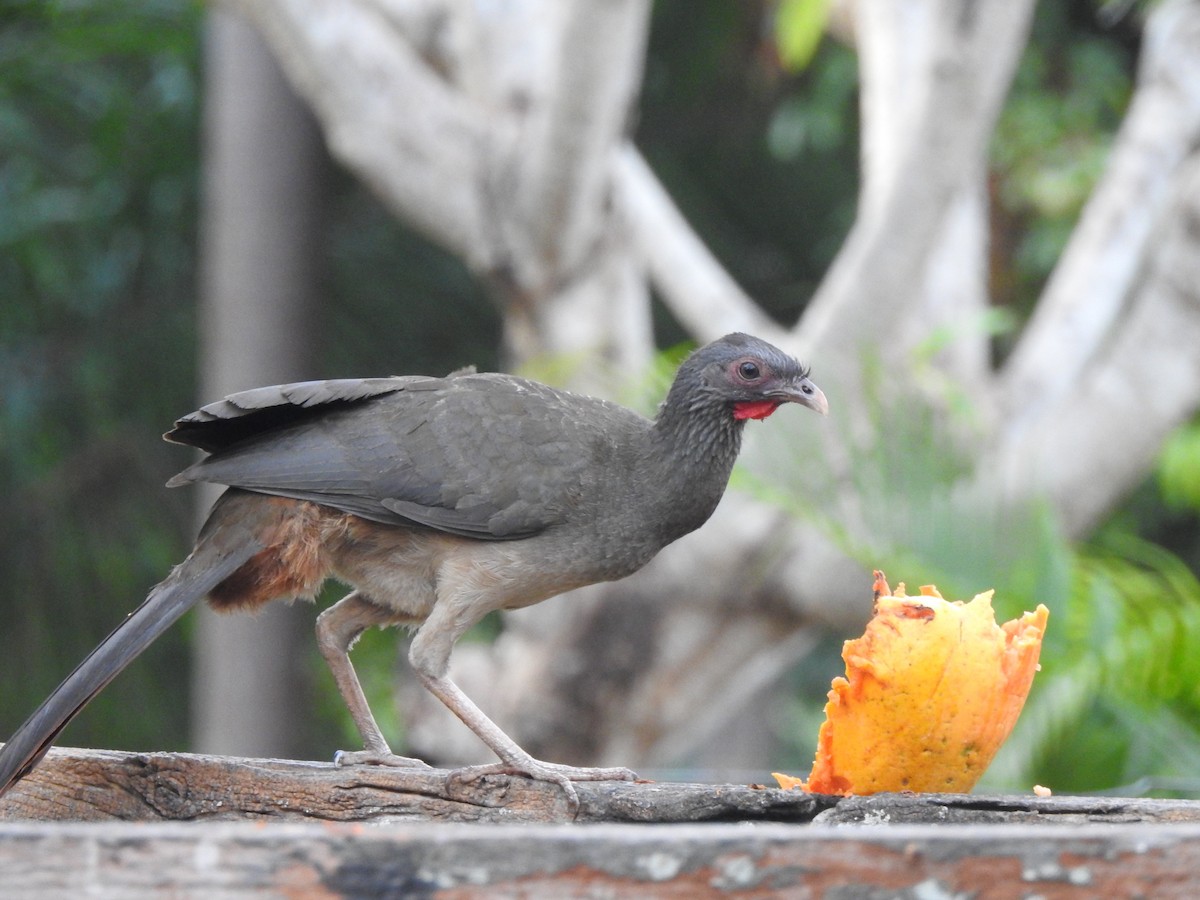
pixel 216 557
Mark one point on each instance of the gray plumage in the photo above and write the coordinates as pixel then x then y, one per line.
pixel 439 500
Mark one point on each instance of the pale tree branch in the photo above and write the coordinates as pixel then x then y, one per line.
pixel 499 55
pixel 599 318
pixel 578 289
pixel 896 42
pixel 565 166
pixel 1095 442
pixel 388 116
pixel 432 27
pixel 963 78
pixel 491 128
pixel 1085 298
pixel 691 281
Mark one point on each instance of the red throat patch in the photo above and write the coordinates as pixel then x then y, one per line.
pixel 755 409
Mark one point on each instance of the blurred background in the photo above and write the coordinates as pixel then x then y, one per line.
pixel 177 222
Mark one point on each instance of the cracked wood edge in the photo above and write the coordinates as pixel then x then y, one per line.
pixel 106 785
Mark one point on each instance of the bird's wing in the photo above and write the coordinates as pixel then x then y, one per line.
pixel 249 413
pixel 487 456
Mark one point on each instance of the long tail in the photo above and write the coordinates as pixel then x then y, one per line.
pixel 209 564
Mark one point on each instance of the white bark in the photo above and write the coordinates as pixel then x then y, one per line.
pixel 1085 300
pixel 393 120
pixel 566 166
pixel 493 133
pixel 1141 381
pixel 918 170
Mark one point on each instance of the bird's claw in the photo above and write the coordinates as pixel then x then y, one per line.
pixel 377 758
pixel 592 773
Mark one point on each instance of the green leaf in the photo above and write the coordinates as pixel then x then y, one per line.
pixel 799 26
pixel 1179 469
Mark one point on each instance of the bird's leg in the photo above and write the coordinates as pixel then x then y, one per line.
pixel 513 758
pixel 430 657
pixel 337 629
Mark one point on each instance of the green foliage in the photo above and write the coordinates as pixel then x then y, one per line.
pixel 761 160
pixel 814 120
pixel 1118 700
pixel 799 27
pixel 1179 469
pixel 1053 138
pixel 1113 704
pixel 98 113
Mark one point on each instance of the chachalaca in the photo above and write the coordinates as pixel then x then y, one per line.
pixel 437 500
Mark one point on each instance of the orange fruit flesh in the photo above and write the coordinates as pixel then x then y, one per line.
pixel 932 690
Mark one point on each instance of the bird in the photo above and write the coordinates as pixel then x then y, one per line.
pixel 437 500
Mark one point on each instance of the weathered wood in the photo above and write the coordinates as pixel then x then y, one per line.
pixel 230 859
pixel 99 785
pixel 430 836
pixel 978 809
pixel 106 785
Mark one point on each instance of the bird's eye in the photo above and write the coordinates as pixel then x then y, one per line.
pixel 749 370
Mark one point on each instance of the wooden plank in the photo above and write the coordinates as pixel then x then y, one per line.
pixel 120 825
pixel 103 785
pixel 230 859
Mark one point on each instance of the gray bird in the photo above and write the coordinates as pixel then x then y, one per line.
pixel 437 500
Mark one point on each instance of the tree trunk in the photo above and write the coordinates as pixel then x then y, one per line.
pixel 262 215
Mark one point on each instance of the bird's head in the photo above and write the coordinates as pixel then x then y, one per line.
pixel 748 377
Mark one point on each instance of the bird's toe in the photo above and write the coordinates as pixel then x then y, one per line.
pixel 377 758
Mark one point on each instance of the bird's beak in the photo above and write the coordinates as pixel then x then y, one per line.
pixel 805 393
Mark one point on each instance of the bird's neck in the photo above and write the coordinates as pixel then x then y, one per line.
pixel 694 449
pixel 699 439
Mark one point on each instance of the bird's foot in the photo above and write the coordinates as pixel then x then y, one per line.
pixel 377 758
pixel 552 773
pixel 590 773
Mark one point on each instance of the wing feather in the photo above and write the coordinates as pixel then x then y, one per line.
pixel 249 413
pixel 485 456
